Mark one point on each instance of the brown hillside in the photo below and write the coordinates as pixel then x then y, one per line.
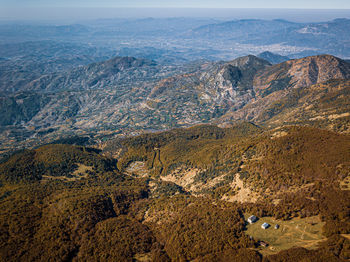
pixel 277 82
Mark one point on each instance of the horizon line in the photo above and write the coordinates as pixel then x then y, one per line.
pixel 170 7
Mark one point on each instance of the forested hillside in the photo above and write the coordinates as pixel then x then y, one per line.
pixel 66 202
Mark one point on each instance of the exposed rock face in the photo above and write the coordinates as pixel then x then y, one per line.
pixel 233 84
pixel 214 88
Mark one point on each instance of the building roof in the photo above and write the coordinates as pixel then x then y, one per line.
pixel 265 225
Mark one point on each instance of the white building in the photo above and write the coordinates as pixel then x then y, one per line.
pixel 252 219
pixel 265 225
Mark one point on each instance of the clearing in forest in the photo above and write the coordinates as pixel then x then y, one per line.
pixel 297 232
pixel 138 169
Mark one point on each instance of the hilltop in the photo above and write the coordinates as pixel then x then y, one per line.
pixel 273 58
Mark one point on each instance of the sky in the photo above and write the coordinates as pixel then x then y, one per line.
pixel 302 4
pixel 77 10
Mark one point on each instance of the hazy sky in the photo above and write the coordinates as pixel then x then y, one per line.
pixel 77 10
pixel 312 4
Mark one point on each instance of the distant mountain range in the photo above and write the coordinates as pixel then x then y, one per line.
pixel 126 94
pixel 241 29
pixel 111 77
pixel 184 39
pixel 326 37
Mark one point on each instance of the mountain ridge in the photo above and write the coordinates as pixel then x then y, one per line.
pixel 278 80
pixel 117 94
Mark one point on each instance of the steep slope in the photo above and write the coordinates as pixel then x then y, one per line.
pixel 214 88
pixel 21 107
pixel 117 94
pixel 276 82
pixel 302 73
pixel 325 105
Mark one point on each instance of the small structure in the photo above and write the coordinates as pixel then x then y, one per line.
pixel 277 226
pixel 263 244
pixel 252 219
pixel 265 225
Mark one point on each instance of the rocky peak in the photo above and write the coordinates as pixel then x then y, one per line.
pixel 316 69
pixel 239 73
pixel 250 61
pixel 302 72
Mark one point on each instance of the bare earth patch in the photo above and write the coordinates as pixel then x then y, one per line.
pixel 345 183
pixel 183 177
pixel 346 236
pixel 336 116
pixel 142 257
pixel 79 173
pixel 244 194
pixel 279 134
pixel 137 168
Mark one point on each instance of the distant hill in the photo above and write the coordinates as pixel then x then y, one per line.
pixel 241 29
pixel 315 38
pixel 326 37
pixel 115 70
pixel 273 58
pixel 45 49
pixel 27 61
